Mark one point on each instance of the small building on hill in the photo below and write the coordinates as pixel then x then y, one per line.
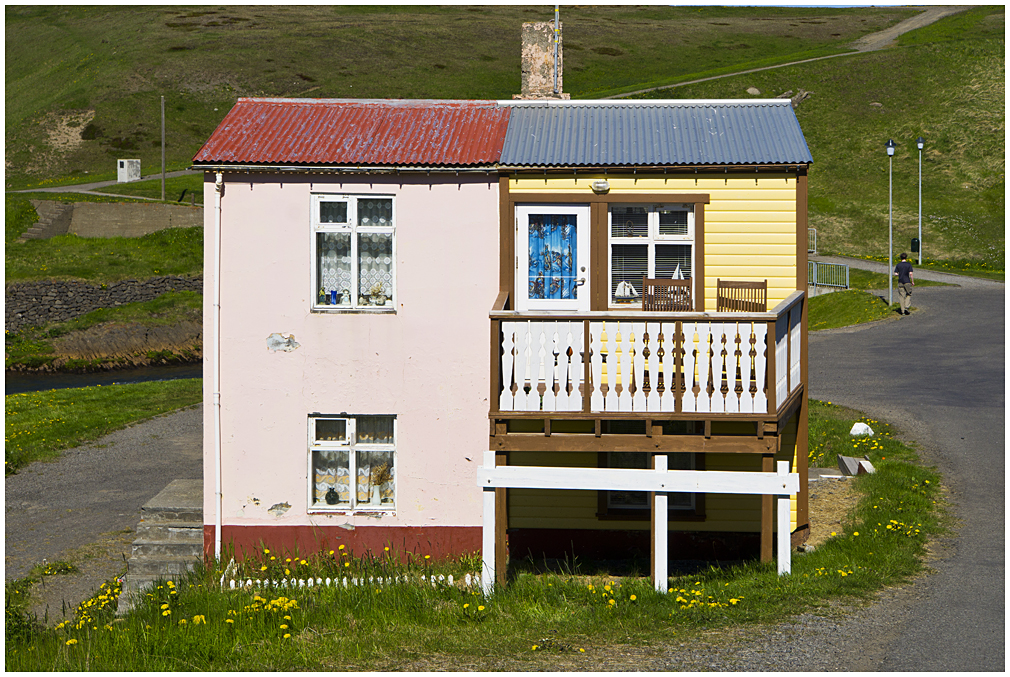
pixel 405 285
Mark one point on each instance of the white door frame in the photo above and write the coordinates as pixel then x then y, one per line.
pixel 522 243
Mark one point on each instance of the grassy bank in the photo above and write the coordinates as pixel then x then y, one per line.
pixel 846 308
pixel 34 347
pixel 38 426
pixel 561 620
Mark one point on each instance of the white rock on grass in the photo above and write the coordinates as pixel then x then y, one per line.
pixel 861 429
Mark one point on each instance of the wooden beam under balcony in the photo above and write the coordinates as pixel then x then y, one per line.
pixel 722 444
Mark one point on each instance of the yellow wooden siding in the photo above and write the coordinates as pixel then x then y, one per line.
pixel 558 509
pixel 750 221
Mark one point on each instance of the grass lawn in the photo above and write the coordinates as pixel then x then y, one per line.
pixel 845 308
pixel 866 279
pixel 38 426
pixel 537 622
pixel 33 346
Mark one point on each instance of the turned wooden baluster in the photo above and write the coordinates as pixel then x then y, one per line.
pixel 737 355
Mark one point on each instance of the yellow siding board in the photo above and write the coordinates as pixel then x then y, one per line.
pixel 741 260
pixel 713 271
pixel 749 238
pixel 758 218
pixel 745 226
pixel 747 206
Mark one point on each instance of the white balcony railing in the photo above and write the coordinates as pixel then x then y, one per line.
pixel 648 362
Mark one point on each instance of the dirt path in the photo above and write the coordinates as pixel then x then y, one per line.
pixel 84 507
pixel 867 43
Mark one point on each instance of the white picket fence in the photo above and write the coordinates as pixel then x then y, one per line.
pixel 345 582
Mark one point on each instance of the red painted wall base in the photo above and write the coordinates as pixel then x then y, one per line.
pixel 439 542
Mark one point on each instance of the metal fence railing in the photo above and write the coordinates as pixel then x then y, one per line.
pixel 811 240
pixel 827 274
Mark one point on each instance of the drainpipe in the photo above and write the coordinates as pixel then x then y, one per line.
pixel 218 190
pixel 557 39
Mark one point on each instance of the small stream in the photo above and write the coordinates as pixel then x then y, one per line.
pixel 15 382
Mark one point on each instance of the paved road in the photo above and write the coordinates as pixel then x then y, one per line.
pixel 52 508
pixel 939 375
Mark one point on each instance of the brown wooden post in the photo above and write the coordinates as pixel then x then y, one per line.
pixel 767 512
pixel 495 365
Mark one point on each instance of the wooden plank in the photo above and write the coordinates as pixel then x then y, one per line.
pixel 501 524
pixel 699 256
pixel 570 442
pixel 628 479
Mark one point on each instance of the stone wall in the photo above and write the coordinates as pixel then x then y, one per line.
pixel 33 304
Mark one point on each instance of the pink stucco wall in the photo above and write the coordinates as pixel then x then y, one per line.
pixel 427 364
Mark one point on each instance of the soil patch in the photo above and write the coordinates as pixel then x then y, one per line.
pixel 830 502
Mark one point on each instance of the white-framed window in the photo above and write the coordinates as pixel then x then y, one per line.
pixel 654 241
pixel 352 463
pixel 639 500
pixel 353 252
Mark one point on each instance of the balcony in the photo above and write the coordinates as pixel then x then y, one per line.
pixel 697 365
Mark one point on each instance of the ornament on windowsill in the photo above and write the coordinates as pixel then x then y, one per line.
pixel 378 297
pixel 332 497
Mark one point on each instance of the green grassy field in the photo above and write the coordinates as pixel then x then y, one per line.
pixel 38 426
pixel 561 620
pixel 83 83
pixel 944 82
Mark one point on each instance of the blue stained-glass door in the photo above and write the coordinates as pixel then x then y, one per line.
pixel 552 254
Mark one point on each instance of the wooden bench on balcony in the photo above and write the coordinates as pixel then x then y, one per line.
pixel 666 295
pixel 741 297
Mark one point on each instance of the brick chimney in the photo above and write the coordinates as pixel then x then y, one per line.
pixel 538 62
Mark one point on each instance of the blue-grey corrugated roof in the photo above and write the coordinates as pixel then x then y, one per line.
pixel 654 133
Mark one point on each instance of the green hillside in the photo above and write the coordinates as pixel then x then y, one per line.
pixel 84 83
pixel 946 83
pixel 83 88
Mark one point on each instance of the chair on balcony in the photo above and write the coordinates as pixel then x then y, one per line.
pixel 741 297
pixel 666 295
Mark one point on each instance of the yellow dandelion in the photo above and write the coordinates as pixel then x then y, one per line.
pixel 229 620
pixel 286 635
pixel 480 608
pixel 633 598
pixel 340 548
pixel 71 642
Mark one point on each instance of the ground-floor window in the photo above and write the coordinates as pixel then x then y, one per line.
pixel 639 500
pixel 352 462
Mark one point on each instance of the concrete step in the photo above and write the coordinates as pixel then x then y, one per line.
pixel 186 532
pixel 176 515
pixel 154 549
pixel 166 566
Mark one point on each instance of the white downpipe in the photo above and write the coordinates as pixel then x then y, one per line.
pixel 218 190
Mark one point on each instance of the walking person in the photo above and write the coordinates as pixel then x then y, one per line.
pixel 905 283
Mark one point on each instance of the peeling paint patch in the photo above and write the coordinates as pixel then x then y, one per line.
pixel 277 342
pixel 278 509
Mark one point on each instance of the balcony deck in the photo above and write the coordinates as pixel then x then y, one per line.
pixel 707 365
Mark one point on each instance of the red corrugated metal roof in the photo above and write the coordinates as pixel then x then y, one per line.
pixel 358 132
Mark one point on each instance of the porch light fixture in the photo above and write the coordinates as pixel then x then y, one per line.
pixel 920 142
pixel 890 221
pixel 601 186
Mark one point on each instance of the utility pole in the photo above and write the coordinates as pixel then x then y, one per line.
pixel 163 148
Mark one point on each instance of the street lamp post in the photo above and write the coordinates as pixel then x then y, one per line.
pixel 890 221
pixel 920 142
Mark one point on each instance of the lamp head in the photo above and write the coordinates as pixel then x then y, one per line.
pixel 920 142
pixel 890 146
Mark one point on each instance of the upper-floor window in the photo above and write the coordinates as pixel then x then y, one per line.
pixel 354 253
pixel 654 241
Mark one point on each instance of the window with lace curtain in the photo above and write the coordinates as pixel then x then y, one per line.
pixel 353 253
pixel 352 463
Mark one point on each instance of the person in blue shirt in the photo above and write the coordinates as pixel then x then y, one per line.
pixel 905 283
